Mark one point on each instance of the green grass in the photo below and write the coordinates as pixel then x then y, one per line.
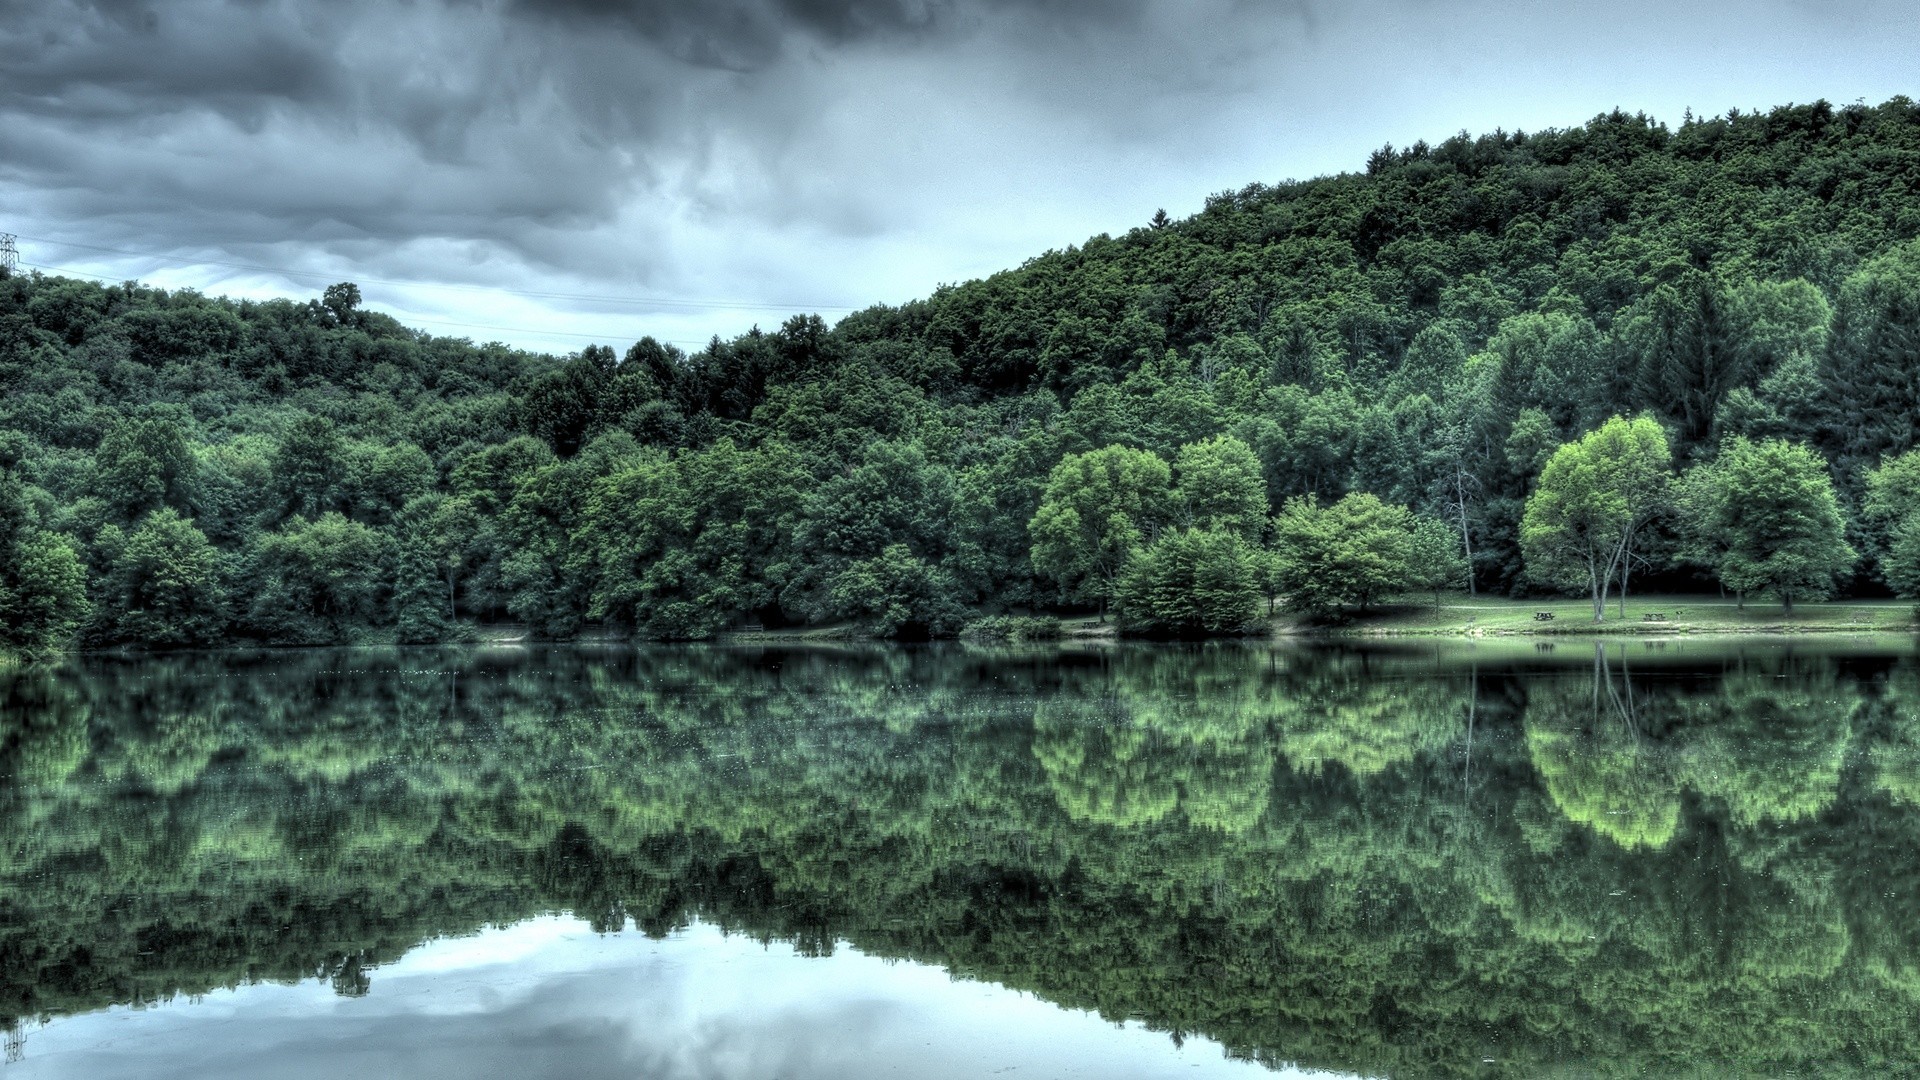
pixel 1460 614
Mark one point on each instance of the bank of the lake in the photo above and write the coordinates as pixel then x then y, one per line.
pixel 1656 615
pixel 1460 615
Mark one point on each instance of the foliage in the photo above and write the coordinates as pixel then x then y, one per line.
pixel 1431 330
pixel 165 586
pixel 1435 560
pixel 319 582
pixel 895 594
pixel 1892 518
pixel 1191 582
pixel 1766 516
pixel 1593 498
pixel 1220 487
pixel 1693 861
pixel 1013 629
pixel 1330 559
pixel 1096 509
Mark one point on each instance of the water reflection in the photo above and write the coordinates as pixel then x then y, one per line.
pixel 1602 858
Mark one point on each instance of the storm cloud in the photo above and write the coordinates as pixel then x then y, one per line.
pixel 493 163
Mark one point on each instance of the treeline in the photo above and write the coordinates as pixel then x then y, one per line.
pixel 1426 335
pixel 1617 863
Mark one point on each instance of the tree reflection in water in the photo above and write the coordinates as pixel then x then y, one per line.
pixel 1405 862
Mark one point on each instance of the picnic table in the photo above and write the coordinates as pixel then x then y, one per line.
pixel 1543 616
pixel 1654 616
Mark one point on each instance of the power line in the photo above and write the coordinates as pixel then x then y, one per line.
pixel 411 318
pixel 656 301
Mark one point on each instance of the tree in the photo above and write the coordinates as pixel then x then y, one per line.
pixel 563 406
pixel 318 582
pixel 308 467
pixel 341 302
pixel 1765 517
pixel 1592 499
pixel 166 586
pixel 43 594
pixel 896 594
pixel 1191 582
pixel 1891 513
pixel 1345 555
pixel 1434 560
pixel 681 546
pixel 1220 486
pixel 1097 507
pixel 1872 371
pixel 145 463
pixel 43 585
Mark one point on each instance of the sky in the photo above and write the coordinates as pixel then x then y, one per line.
pixel 558 173
pixel 548 998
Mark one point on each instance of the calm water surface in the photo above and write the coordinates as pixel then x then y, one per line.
pixel 1633 859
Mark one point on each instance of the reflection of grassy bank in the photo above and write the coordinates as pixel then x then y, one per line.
pixel 1472 616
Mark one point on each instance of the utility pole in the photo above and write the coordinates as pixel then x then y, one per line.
pixel 9 254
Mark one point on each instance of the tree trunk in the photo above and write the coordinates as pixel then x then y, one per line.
pixel 1466 537
pixel 1626 567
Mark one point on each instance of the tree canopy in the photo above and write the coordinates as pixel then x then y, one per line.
pixel 1432 331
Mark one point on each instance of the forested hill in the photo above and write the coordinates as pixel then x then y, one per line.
pixel 1134 420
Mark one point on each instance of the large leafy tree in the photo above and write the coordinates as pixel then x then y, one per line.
pixel 43 590
pixel 1592 500
pixel 318 582
pixel 1765 517
pixel 1190 582
pixel 165 587
pixel 1435 560
pixel 43 594
pixel 1220 486
pixel 1347 555
pixel 681 546
pixel 1096 509
pixel 146 462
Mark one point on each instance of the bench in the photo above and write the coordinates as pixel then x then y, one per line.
pixel 1543 616
pixel 1654 616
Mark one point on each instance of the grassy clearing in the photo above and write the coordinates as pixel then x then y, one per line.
pixel 1476 616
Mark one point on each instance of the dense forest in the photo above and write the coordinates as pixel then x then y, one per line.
pixel 1591 862
pixel 1576 360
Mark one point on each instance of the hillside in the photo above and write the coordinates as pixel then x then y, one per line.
pixel 1427 331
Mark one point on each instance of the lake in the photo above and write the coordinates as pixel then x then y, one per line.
pixel 1499 859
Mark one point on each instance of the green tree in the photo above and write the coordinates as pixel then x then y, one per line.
pixel 1434 559
pixel 1592 500
pixel 309 467
pixel 1765 517
pixel 43 584
pixel 896 594
pixel 166 586
pixel 1220 486
pixel 318 582
pixel 1891 513
pixel 1191 582
pixel 145 463
pixel 1347 555
pixel 1097 507
pixel 43 594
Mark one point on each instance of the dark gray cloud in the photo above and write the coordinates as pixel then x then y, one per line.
pixel 827 153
